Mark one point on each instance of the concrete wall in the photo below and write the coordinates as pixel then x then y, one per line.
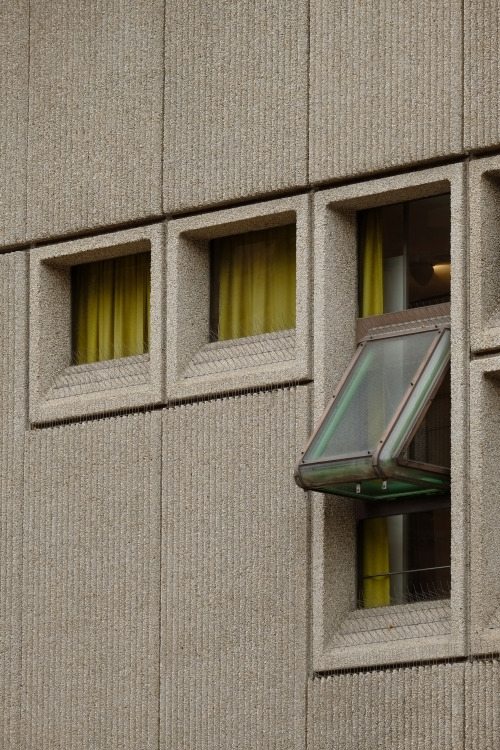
pixel 14 417
pixel 236 85
pixel 157 568
pixel 386 84
pixel 14 56
pixel 91 585
pixel 234 574
pixel 95 114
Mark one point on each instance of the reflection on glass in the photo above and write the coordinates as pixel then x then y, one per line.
pixel 404 558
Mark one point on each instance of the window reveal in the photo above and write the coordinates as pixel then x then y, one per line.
pixel 110 308
pixel 252 283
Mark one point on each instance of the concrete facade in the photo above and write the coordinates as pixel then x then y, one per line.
pixel 163 582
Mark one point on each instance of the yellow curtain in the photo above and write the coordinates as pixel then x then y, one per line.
pixel 110 308
pixel 376 591
pixel 254 282
pixel 372 270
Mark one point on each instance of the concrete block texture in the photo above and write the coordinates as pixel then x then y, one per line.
pixel 96 111
pixel 482 698
pixel 481 73
pixel 13 416
pixel 386 84
pixel 91 587
pixel 234 573
pixel 14 63
pixel 235 100
pixel 400 709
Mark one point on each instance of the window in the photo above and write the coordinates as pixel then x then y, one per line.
pixel 384 439
pixel 377 438
pixel 92 302
pixel 252 283
pixel 236 314
pixel 110 302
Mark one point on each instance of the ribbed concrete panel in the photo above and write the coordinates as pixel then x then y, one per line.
pixel 13 417
pixel 95 133
pixel 235 100
pixel 482 698
pixel 235 570
pixel 419 708
pixel 481 73
pixel 14 57
pixel 91 586
pixel 386 88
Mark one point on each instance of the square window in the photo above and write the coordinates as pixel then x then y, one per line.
pixel 110 302
pixel 239 307
pixel 252 283
pixel 97 324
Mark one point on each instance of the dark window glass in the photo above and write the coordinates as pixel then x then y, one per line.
pixel 413 267
pixel 404 558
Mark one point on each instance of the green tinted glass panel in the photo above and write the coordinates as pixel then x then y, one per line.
pixel 370 396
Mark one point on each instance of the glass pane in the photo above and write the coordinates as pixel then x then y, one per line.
pixel 404 558
pixel 429 228
pixel 252 286
pixel 370 396
pixel 110 308
pixel 432 441
pixel 412 268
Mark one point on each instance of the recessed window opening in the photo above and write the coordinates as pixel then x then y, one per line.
pixel 110 308
pixel 404 255
pixel 252 283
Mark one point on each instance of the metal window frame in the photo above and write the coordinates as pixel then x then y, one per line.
pixel 391 325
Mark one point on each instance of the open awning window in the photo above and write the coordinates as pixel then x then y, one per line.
pixel 385 433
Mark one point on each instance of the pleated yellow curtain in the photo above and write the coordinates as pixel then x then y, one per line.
pixel 376 591
pixel 254 282
pixel 372 269
pixel 110 308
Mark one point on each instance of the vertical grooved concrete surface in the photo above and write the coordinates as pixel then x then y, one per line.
pixel 235 100
pixel 481 73
pixel 482 697
pixel 397 709
pixel 386 86
pixel 234 574
pixel 14 66
pixel 96 110
pixel 91 586
pixel 13 416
